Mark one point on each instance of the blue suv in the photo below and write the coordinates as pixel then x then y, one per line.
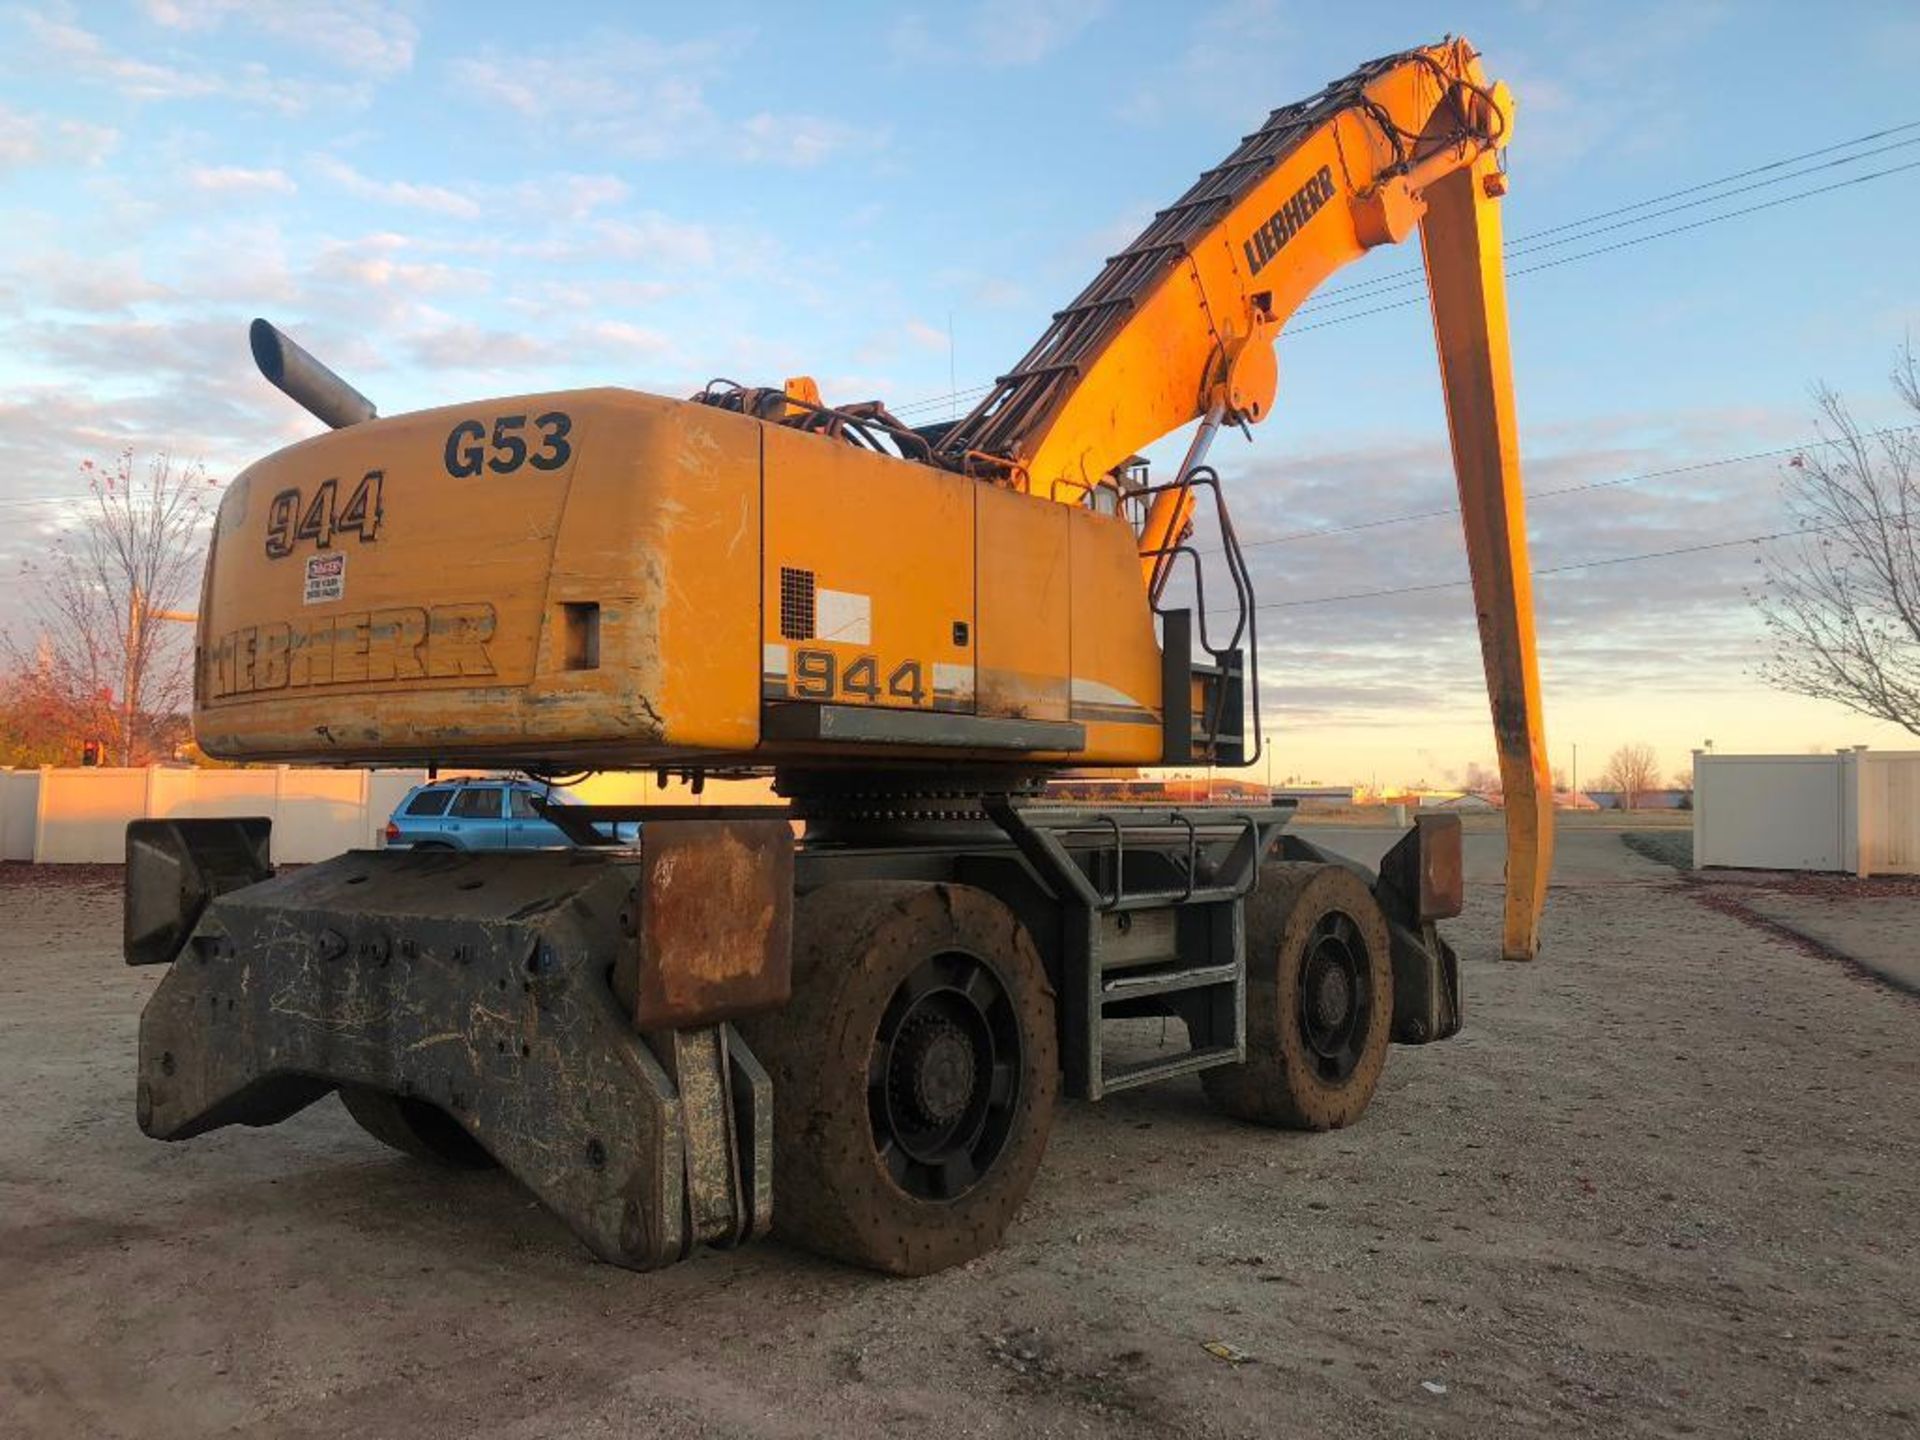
pixel 481 813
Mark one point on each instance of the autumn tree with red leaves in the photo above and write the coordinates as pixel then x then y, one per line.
pixel 93 660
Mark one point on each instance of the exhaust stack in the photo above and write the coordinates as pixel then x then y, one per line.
pixel 310 384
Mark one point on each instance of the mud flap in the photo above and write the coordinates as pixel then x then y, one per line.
pixel 478 984
pixel 175 868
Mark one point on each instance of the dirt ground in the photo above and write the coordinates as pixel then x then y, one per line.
pixel 1666 1183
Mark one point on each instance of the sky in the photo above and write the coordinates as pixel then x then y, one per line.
pixel 448 202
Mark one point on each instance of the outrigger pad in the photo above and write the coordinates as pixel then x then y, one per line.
pixel 174 867
pixel 478 984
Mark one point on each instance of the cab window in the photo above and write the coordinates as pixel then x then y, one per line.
pixel 429 802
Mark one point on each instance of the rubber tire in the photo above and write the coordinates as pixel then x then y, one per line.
pixel 1277 1085
pixel 853 944
pixel 415 1128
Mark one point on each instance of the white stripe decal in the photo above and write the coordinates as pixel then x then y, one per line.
pixel 953 679
pixel 1094 692
pixel 843 617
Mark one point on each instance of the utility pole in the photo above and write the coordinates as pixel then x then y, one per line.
pixel 139 614
pixel 1574 798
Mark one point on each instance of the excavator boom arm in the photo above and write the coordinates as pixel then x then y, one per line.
pixel 1180 325
pixel 1187 313
pixel 1460 242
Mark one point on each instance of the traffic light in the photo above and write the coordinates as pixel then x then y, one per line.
pixel 90 752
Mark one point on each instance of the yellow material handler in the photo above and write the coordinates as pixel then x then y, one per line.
pixel 848 1017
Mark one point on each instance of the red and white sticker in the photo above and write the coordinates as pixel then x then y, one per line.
pixel 326 577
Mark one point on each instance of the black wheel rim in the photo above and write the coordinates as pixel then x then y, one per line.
pixel 943 1080
pixel 1336 996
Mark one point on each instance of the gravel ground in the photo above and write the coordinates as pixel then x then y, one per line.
pixel 1664 1184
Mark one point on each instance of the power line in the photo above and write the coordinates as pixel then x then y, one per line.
pixel 1586 220
pixel 1532 495
pixel 1726 179
pixel 1401 279
pixel 1548 570
pixel 934 402
pixel 1622 244
pixel 1523 241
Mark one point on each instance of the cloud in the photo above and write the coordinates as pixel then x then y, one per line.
pixel 241 262
pixel 78 53
pixel 459 345
pixel 1580 96
pixel 28 140
pixel 927 337
pixel 571 197
pixel 799 141
pixel 437 199
pixel 617 337
pixel 97 284
pixel 647 99
pixel 1653 629
pixel 646 236
pixel 642 95
pixel 362 36
pixel 1004 33
pixel 1025 32
pixel 372 263
pixel 237 180
pixel 1184 80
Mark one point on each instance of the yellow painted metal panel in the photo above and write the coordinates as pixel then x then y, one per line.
pixel 879 560
pixel 1025 598
pixel 424 627
pixel 704 533
pixel 1116 659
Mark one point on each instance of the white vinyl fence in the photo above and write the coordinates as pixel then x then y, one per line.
pixel 1856 812
pixel 75 816
pixel 79 816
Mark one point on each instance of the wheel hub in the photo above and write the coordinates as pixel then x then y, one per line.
pixel 945 1077
pixel 1332 997
pixel 934 1070
pixel 1335 996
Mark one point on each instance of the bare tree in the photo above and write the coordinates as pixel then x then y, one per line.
pixel 1842 596
pixel 1631 772
pixel 101 596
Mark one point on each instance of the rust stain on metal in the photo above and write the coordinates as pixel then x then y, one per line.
pixel 716 921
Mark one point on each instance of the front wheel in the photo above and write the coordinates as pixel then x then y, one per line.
pixel 1319 1001
pixel 914 1074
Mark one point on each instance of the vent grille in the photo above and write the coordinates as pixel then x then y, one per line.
pixel 796 604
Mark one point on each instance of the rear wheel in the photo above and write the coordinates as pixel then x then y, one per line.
pixel 414 1128
pixel 1319 1001
pixel 914 1074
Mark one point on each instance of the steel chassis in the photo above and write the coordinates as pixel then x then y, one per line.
pixel 511 991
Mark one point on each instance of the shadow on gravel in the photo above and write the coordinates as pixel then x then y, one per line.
pixel 1667 847
pixel 1775 902
pixel 1861 924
